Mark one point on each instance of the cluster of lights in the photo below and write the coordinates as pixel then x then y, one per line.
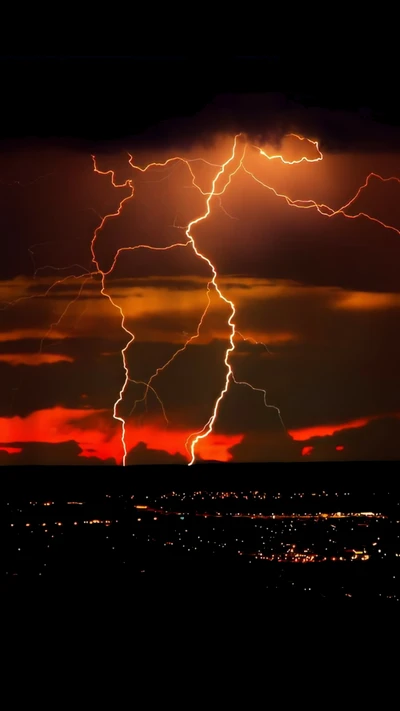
pixel 306 557
pixel 273 516
pixel 218 539
pixel 247 496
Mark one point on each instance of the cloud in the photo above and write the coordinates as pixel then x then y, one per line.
pixel 20 334
pixel 166 309
pixel 264 117
pixel 366 301
pixel 34 358
pixel 268 446
pixel 368 439
pixel 141 454
pixel 308 433
pixel 48 454
pixel 338 364
pixel 377 439
pixel 97 435
pixel 306 451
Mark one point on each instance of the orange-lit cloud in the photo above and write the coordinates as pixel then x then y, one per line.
pixel 34 358
pixel 306 433
pixel 13 289
pixel 306 451
pixel 98 437
pixel 26 333
pixel 166 309
pixel 366 301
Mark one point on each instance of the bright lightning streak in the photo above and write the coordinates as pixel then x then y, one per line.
pixel 323 209
pixel 225 174
pixel 303 159
pixel 229 373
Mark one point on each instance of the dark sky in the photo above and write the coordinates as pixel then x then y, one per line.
pixel 321 293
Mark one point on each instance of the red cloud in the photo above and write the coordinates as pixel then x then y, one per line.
pixel 98 436
pixel 306 451
pixel 306 433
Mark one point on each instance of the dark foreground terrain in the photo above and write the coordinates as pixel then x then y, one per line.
pixel 211 533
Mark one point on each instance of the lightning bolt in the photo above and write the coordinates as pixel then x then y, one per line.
pixel 221 181
pixel 202 434
pixel 212 284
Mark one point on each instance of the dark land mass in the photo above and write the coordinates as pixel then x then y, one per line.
pixel 358 477
pixel 106 98
pixel 318 533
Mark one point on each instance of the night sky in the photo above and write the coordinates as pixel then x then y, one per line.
pixel 317 298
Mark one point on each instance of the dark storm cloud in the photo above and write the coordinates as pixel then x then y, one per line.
pixel 266 117
pixel 331 259
pixel 90 290
pixel 261 116
pixel 322 315
pixel 45 453
pixel 27 346
pixel 120 287
pixel 141 454
pixel 184 284
pixel 266 447
pixel 332 387
pixel 190 384
pixel 96 380
pixel 78 347
pixel 26 389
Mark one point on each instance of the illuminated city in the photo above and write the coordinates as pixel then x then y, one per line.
pixel 141 535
